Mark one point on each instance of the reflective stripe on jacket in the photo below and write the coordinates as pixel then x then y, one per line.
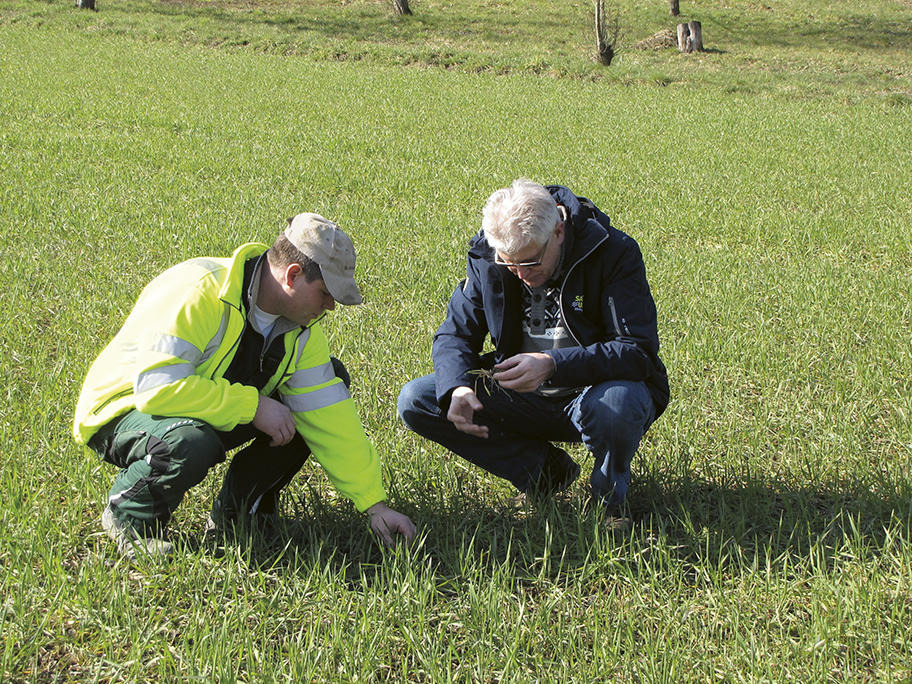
pixel 170 356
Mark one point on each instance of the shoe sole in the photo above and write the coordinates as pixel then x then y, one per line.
pixel 128 544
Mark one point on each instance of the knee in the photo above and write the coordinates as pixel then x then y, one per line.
pixel 194 449
pixel 413 399
pixel 617 405
pixel 406 402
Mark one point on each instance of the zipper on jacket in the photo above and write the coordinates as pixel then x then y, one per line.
pixel 284 375
pixel 265 348
pixel 560 298
pixel 262 349
pixel 614 317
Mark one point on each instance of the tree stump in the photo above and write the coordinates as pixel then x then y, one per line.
pixel 675 8
pixel 85 4
pixel 690 37
pixel 696 35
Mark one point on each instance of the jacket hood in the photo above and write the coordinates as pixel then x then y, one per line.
pixel 589 225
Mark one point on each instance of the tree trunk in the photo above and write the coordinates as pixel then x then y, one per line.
pixel 690 37
pixel 683 36
pixel 604 49
pixel 604 53
pixel 85 4
pixel 696 36
pixel 402 7
pixel 675 9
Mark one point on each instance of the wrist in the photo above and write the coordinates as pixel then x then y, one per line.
pixel 249 403
pixel 553 366
pixel 378 507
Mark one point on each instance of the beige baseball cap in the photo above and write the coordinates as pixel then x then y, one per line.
pixel 325 243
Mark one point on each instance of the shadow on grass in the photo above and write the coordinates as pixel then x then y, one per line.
pixel 309 27
pixel 862 32
pixel 471 533
pixel 364 24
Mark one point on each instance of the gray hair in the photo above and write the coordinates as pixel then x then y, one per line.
pixel 518 216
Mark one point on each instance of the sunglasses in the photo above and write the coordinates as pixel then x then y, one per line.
pixel 523 264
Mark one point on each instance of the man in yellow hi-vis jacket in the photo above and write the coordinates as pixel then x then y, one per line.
pixel 219 352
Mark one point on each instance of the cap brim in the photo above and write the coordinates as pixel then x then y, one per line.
pixel 343 288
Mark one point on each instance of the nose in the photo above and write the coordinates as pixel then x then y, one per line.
pixel 522 272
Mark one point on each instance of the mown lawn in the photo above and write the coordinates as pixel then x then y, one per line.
pixel 767 183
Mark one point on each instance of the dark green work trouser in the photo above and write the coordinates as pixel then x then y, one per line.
pixel 161 458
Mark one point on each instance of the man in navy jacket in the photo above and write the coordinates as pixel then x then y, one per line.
pixel 564 297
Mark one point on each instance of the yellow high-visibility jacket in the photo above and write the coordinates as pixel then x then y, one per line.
pixel 169 357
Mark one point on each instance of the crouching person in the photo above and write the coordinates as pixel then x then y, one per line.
pixel 564 298
pixel 219 352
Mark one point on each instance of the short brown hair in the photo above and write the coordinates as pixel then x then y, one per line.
pixel 284 254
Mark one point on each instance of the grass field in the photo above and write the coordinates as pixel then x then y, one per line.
pixel 767 182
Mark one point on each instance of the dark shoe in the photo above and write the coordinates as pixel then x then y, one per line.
pixel 129 542
pixel 616 517
pixel 218 525
pixel 618 523
pixel 559 471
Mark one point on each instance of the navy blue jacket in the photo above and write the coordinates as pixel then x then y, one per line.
pixel 604 298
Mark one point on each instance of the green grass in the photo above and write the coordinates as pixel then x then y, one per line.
pixel 773 501
pixel 841 49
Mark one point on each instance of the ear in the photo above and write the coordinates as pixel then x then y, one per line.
pixel 291 272
pixel 559 232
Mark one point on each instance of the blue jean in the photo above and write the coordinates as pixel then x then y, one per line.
pixel 610 418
